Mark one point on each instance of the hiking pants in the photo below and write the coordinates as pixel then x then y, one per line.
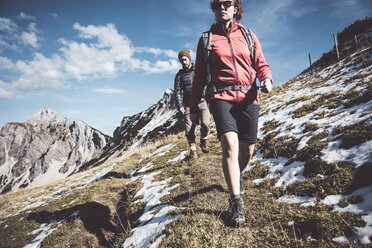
pixel 204 117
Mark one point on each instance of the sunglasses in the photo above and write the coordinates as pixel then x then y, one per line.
pixel 226 5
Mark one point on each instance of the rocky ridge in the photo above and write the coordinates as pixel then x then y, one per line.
pixel 159 120
pixel 45 148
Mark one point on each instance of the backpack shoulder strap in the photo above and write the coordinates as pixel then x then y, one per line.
pixel 207 37
pixel 247 33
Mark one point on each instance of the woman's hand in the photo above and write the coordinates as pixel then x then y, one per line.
pixel 266 85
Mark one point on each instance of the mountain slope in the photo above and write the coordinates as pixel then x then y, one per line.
pixel 45 148
pixel 317 140
pixel 149 125
pixel 307 186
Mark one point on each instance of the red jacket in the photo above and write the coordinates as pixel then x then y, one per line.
pixel 230 63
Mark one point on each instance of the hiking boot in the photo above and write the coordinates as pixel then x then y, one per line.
pixel 236 212
pixel 193 153
pixel 241 184
pixel 204 146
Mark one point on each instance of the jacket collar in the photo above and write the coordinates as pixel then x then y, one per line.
pixel 218 28
pixel 187 70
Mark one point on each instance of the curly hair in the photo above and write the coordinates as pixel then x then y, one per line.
pixel 237 4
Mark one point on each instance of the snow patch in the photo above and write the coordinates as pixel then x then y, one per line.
pixel 357 155
pixel 156 215
pixel 304 200
pixel 179 158
pixel 45 230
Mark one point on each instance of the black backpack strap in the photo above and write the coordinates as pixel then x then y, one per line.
pixel 212 89
pixel 249 38
pixel 247 33
pixel 206 51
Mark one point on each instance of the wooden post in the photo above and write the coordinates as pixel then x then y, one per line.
pixel 338 55
pixel 356 41
pixel 310 59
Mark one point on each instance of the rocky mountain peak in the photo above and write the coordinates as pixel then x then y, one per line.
pixel 45 148
pixel 46 115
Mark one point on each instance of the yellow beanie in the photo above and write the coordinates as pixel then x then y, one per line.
pixel 184 53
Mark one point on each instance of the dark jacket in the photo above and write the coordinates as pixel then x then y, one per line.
pixel 182 86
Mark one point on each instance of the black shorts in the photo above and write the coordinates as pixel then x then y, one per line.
pixel 241 118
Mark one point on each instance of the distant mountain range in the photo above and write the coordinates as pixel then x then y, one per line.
pixel 45 148
pixel 49 147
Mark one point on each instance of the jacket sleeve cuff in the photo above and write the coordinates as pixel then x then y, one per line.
pixel 269 79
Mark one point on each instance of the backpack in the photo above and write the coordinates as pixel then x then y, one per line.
pixel 213 89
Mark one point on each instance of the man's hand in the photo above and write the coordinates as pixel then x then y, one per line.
pixel 194 117
pixel 266 85
pixel 182 110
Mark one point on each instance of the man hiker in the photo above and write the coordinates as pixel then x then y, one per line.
pixel 182 92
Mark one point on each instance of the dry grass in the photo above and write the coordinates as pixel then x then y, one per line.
pixel 107 212
pixel 97 224
pixel 203 203
pixel 354 134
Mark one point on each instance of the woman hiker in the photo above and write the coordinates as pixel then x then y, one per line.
pixel 233 97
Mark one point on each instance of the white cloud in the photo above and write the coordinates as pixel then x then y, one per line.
pixel 39 73
pixel 109 91
pixel 107 54
pixel 54 16
pixel 4 91
pixel 157 52
pixel 6 64
pixel 30 37
pixel 108 37
pixel 25 16
pixel 7 25
pixel 170 65
pixel 85 61
pixel 11 34
pixel 102 52
pixel 7 30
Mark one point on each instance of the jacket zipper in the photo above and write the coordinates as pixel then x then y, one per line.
pixel 191 78
pixel 233 62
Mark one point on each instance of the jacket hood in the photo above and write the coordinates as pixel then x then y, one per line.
pixel 218 28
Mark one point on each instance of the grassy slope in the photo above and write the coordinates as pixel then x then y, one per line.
pixel 102 213
pixel 107 212
pixel 205 203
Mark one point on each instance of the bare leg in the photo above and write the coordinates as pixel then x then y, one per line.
pixel 245 154
pixel 230 161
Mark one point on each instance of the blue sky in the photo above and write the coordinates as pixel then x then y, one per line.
pixel 98 61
